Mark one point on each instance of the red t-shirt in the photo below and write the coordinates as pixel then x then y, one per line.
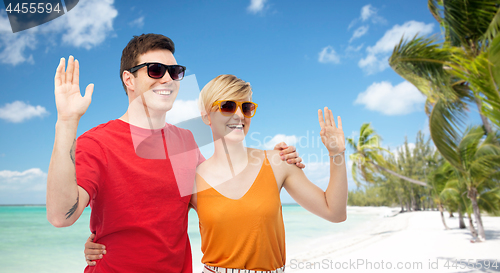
pixel 139 182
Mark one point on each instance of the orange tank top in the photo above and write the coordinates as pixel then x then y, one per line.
pixel 247 233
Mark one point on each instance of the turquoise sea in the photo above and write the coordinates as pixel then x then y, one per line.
pixel 30 244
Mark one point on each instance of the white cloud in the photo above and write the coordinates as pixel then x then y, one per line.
pixel 19 111
pixel 368 12
pixel 393 36
pixel 354 49
pixel 400 150
pixel 360 31
pixel 353 23
pixel 376 60
pixel 138 23
pixel 13 45
pixel 401 99
pixel 27 187
pixel 4 22
pixel 328 55
pixel 86 25
pixel 289 140
pixel 373 64
pixel 256 6
pixel 183 110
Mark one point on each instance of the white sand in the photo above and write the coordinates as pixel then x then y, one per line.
pixel 408 242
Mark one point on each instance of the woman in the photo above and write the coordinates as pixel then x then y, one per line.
pixel 238 188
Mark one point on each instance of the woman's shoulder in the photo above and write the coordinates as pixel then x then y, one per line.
pixel 278 164
pixel 271 153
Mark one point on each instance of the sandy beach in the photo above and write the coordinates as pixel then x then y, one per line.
pixel 408 242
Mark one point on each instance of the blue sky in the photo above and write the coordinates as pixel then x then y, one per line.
pixel 299 57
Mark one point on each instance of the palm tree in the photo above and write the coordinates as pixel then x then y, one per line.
pixel 475 160
pixel 456 191
pixel 367 158
pixel 447 192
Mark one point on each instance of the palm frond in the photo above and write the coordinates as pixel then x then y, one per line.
pixel 423 62
pixel 478 72
pixel 490 201
pixel 493 29
pixel 467 146
pixel 352 143
pixel 494 59
pixel 468 20
pixel 445 122
pixel 493 95
pixel 435 7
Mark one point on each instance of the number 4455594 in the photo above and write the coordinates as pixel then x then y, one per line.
pixel 33 8
pixel 471 264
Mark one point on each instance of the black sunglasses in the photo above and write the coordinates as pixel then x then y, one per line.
pixel 158 70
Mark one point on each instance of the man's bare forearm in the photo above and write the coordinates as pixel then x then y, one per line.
pixel 62 189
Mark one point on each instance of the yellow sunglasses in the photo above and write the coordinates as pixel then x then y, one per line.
pixel 229 107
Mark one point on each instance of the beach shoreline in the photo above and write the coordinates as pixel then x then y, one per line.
pixel 409 242
pixel 371 236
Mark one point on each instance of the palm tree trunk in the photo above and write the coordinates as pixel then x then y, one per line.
pixel 400 176
pixel 471 227
pixel 440 207
pixel 472 194
pixel 461 223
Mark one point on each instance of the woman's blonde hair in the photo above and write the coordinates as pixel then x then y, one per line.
pixel 223 87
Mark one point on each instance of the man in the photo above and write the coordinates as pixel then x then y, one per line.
pixel 136 172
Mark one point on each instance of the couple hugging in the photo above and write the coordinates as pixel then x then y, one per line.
pixel 141 176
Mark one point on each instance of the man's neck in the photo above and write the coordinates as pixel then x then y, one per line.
pixel 149 120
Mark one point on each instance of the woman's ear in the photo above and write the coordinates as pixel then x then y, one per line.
pixel 206 118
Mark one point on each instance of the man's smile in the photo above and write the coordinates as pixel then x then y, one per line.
pixel 162 91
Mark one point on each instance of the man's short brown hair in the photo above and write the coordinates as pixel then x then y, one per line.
pixel 140 45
